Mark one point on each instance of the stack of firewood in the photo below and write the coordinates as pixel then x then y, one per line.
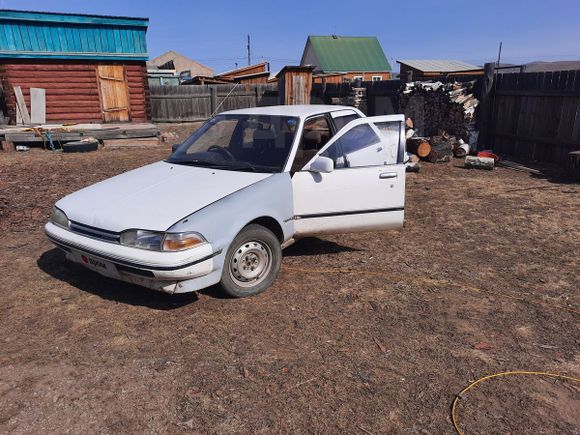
pixel 437 106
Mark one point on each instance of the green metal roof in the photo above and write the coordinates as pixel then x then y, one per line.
pixel 349 53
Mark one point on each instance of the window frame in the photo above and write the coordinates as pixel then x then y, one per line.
pixel 299 138
pixel 371 122
pixel 376 78
pixel 337 114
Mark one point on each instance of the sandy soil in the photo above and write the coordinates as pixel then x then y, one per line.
pixel 361 333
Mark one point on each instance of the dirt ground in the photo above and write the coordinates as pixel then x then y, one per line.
pixel 361 333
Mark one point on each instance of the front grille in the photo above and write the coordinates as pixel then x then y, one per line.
pixel 95 233
pixel 135 271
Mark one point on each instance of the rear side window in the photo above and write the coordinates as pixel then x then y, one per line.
pixel 315 134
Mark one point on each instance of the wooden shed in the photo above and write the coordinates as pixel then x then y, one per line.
pixel 92 67
pixel 295 84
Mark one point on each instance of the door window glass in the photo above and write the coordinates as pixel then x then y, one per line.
pixel 360 146
pixel 341 121
pixel 391 138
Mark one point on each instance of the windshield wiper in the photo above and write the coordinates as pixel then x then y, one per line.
pixel 193 162
pixel 233 166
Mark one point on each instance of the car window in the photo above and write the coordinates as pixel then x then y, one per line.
pixel 341 121
pixel 315 134
pixel 258 143
pixel 360 146
pixel 391 131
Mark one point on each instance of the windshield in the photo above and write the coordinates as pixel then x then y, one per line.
pixel 259 143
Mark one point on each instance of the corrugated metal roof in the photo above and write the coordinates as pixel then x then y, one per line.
pixel 439 65
pixel 348 53
pixel 43 35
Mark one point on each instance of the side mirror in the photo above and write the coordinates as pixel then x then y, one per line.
pixel 175 146
pixel 322 164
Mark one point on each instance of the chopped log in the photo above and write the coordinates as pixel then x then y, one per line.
pixel 7 146
pixel 434 106
pixel 419 146
pixel 413 167
pixel 441 148
pixel 440 154
pixel 479 162
pixel 462 150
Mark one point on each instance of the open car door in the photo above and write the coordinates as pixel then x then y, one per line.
pixel 356 182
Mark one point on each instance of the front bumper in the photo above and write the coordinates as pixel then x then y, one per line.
pixel 152 269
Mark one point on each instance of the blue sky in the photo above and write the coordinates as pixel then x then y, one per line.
pixel 464 30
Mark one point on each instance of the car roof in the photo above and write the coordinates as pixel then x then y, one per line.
pixel 297 110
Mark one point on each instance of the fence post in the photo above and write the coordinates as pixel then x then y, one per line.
pixel 213 99
pixel 486 107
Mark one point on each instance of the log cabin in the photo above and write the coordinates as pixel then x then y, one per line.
pixel 91 67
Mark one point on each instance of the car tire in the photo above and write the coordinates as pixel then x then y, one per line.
pixel 252 262
pixel 80 147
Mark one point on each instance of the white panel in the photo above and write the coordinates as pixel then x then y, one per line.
pixel 38 106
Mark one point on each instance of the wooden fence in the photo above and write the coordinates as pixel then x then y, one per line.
pixel 535 116
pixel 199 102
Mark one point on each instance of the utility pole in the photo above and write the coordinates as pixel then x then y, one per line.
pixel 249 52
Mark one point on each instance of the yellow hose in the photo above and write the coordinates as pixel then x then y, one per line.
pixel 473 384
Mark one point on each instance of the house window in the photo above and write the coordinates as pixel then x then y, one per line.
pixel 358 78
pixel 377 78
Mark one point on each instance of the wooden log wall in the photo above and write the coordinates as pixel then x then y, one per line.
pixel 199 102
pixel 72 92
pixel 536 116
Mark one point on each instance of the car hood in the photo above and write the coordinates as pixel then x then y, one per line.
pixel 153 197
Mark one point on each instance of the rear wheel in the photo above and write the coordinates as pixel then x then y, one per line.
pixel 252 262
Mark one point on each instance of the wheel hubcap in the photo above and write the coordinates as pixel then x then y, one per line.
pixel 250 263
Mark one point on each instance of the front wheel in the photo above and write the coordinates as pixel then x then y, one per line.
pixel 252 262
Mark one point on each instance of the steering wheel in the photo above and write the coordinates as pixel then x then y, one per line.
pixel 223 151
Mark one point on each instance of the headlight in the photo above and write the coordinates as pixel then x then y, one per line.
pixel 59 218
pixel 142 239
pixel 160 241
pixel 182 241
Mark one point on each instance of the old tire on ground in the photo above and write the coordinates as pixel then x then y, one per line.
pixel 80 147
pixel 252 262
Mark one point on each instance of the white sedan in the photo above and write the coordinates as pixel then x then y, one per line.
pixel 224 204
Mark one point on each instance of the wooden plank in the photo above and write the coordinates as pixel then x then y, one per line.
pixel 21 105
pixel 558 93
pixel 544 140
pixel 38 105
pixel 146 142
pixel 71 136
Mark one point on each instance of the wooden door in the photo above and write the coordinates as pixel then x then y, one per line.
pixel 113 93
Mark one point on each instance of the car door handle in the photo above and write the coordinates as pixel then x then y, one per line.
pixel 384 175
